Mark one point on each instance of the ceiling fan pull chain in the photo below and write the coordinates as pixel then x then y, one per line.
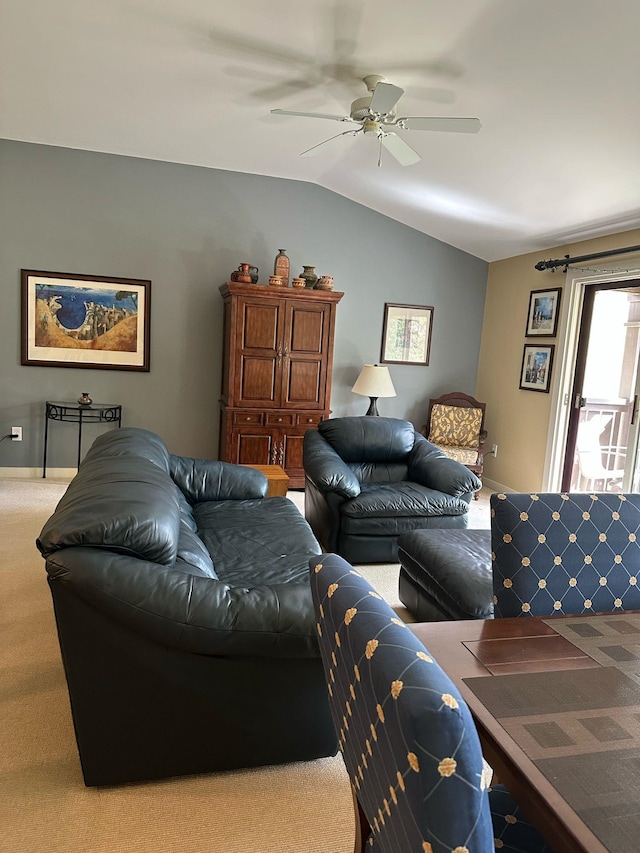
pixel 380 152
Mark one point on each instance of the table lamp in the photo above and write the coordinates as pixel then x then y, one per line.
pixel 374 381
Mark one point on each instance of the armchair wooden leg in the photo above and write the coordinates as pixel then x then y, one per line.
pixel 363 830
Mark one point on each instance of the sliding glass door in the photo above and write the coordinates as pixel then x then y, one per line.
pixel 602 437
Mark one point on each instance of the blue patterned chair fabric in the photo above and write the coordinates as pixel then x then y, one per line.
pixel 558 553
pixel 408 739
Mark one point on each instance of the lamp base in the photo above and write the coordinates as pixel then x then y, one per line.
pixel 373 408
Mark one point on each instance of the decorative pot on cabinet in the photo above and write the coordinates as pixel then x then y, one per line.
pixel 281 266
pixel 309 275
pixel 325 282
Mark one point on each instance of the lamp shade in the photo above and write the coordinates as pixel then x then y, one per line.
pixel 374 381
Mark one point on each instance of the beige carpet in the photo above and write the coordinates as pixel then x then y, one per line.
pixel 44 806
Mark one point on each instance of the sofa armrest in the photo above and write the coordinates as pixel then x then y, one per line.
pixel 326 469
pixel 210 480
pixel 431 468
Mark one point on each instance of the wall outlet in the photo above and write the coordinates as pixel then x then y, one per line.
pixel 16 433
pixel 494 450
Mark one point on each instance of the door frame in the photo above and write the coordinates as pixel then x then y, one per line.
pixel 576 282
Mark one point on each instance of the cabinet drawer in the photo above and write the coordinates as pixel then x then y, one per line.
pixel 307 419
pixel 248 418
pixel 279 419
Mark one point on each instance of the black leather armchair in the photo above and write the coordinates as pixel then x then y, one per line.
pixel 369 479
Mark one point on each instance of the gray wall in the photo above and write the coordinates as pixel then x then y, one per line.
pixel 186 228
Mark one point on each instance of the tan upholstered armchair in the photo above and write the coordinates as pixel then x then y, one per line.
pixel 455 424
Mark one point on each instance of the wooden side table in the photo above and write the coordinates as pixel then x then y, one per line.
pixel 105 413
pixel 276 477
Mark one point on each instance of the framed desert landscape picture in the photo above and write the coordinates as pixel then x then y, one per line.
pixel 71 320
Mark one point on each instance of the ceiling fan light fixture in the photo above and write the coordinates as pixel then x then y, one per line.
pixel 376 115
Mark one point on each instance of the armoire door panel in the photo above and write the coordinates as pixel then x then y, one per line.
pixel 258 381
pixel 303 384
pixel 307 329
pixel 260 326
pixel 293 445
pixel 254 448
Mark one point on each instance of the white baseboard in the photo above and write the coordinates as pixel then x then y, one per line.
pixel 496 487
pixel 36 473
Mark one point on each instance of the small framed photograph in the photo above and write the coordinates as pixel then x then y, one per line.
pixel 536 368
pixel 544 306
pixel 406 334
pixel 95 321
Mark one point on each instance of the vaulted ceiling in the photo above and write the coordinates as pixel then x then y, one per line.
pixel 554 83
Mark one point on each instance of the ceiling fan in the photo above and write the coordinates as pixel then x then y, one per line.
pixel 376 115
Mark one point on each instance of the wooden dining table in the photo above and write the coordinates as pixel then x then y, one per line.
pixel 557 706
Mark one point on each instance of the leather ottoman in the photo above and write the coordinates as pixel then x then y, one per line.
pixel 446 574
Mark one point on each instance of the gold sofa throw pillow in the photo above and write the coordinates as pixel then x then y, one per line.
pixel 455 426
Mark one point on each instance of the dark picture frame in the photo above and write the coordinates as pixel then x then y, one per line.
pixel 406 334
pixel 543 314
pixel 537 363
pixel 71 320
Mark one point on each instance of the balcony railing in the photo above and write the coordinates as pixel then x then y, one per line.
pixel 601 447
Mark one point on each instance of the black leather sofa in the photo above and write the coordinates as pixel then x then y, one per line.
pixel 184 614
pixel 370 479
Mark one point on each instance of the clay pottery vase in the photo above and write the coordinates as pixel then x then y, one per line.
pixel 298 282
pixel 276 281
pixel 84 399
pixel 244 274
pixel 325 282
pixel 253 272
pixel 309 275
pixel 282 266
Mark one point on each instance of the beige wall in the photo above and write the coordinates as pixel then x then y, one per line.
pixel 518 421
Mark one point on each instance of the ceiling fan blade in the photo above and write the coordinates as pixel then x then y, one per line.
pixel 385 97
pixel 314 148
pixel 311 115
pixel 404 154
pixel 452 125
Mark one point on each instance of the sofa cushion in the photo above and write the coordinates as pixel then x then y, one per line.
pixel 211 480
pixel 391 508
pixel 404 498
pixel 257 542
pixel 124 504
pixel 193 557
pixel 465 455
pixel 130 441
pixel 450 571
pixel 369 439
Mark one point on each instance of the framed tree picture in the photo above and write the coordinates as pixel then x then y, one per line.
pixel 406 334
pixel 542 319
pixel 535 374
pixel 71 320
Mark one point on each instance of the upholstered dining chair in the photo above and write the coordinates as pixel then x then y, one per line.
pixel 408 739
pixel 565 553
pixel 455 424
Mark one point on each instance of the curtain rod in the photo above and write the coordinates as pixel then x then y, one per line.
pixel 552 265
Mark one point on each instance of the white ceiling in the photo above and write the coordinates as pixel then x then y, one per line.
pixel 555 83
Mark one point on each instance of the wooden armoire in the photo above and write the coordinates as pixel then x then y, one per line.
pixel 276 372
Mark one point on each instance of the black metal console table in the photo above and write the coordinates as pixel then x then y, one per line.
pixel 104 413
